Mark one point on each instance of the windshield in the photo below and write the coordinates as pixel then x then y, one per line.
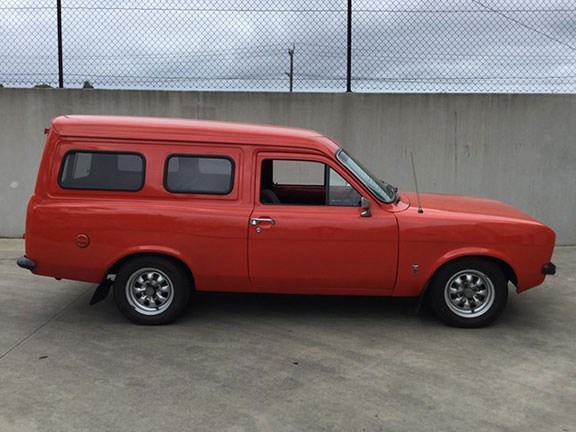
pixel 383 191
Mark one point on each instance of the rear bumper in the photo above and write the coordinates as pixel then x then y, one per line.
pixel 26 263
pixel 549 269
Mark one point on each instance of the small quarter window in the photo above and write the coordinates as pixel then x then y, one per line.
pixel 199 174
pixel 102 171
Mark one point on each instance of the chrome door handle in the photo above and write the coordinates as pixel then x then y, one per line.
pixel 256 221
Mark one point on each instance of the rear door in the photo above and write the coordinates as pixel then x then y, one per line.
pixel 306 233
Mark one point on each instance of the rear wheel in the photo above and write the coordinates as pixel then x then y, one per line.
pixel 469 292
pixel 151 290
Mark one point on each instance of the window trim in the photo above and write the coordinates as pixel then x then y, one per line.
pixel 204 156
pixel 76 151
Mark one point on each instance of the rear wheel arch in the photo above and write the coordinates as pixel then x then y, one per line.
pixel 177 261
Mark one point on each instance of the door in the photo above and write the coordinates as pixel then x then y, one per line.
pixel 307 235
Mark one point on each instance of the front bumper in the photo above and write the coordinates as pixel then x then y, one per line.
pixel 26 263
pixel 549 269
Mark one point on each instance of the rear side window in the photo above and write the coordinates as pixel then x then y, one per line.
pixel 113 171
pixel 199 174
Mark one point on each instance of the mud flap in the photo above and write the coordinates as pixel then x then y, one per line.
pixel 422 298
pixel 101 291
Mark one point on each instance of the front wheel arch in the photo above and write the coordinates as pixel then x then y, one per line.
pixel 503 265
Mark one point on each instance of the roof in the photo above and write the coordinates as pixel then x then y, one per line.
pixel 173 129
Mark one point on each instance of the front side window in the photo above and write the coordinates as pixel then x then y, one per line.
pixel 90 170
pixel 199 174
pixel 299 182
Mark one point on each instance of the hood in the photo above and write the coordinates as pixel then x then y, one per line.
pixel 464 204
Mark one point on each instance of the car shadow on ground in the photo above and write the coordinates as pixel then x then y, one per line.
pixel 288 307
pixel 249 306
pixel 297 305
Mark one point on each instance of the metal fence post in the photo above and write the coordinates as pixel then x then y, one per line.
pixel 60 61
pixel 291 73
pixel 349 49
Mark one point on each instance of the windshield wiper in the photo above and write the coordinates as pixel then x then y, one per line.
pixel 391 190
pixel 394 193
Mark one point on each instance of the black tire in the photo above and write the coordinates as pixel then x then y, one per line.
pixel 168 292
pixel 469 293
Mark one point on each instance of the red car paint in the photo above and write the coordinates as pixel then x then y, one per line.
pixel 82 234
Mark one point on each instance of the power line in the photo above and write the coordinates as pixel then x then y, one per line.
pixel 308 76
pixel 546 35
pixel 299 10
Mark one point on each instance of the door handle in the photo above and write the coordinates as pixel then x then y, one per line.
pixel 256 221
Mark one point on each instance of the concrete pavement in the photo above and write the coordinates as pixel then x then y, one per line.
pixel 282 363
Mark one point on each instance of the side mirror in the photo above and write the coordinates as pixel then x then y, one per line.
pixel 365 206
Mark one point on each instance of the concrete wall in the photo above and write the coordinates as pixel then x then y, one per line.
pixel 516 148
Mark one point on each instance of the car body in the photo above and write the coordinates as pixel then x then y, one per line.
pixel 209 199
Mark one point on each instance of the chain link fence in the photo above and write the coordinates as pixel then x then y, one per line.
pixel 509 46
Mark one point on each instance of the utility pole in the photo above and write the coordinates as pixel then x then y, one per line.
pixel 291 73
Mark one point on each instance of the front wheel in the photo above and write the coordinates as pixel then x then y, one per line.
pixel 469 293
pixel 151 290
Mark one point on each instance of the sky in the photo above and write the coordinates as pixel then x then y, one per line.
pixel 397 46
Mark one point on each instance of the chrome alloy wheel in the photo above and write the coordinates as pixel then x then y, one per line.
pixel 149 291
pixel 469 293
